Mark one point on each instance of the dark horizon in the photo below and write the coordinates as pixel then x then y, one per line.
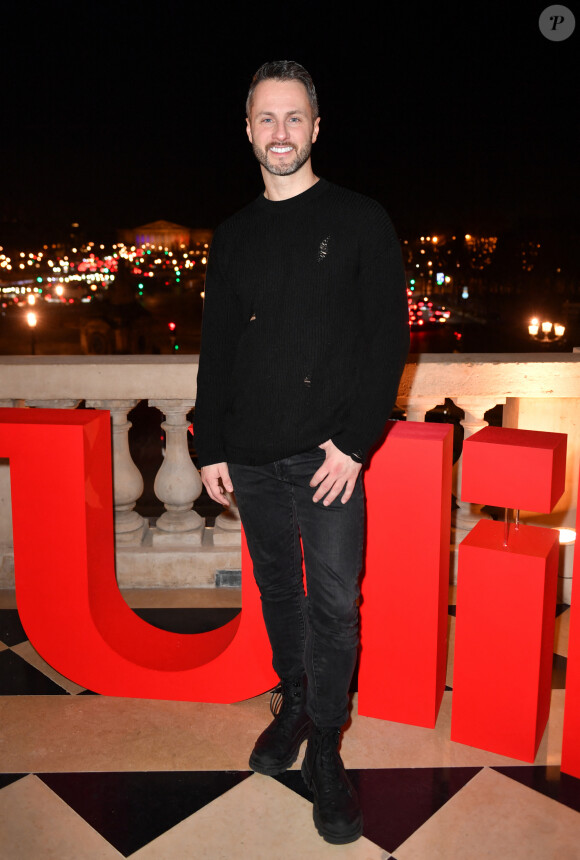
pixel 454 120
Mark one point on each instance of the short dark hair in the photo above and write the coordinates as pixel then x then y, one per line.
pixel 284 70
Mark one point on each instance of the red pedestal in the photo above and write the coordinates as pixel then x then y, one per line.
pixel 67 595
pixel 571 741
pixel 522 469
pixel 504 637
pixel 406 581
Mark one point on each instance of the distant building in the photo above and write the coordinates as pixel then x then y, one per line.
pixel 166 234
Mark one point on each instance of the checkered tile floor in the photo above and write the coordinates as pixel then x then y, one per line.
pixel 86 776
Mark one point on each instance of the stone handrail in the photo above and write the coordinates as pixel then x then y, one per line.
pixel 492 375
pixel 102 377
pixel 168 377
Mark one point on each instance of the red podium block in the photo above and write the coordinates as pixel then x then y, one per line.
pixel 66 590
pixel 571 740
pixel 504 638
pixel 521 469
pixel 405 585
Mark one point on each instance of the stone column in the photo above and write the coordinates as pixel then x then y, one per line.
pixel 417 407
pixel 177 483
pixel 127 479
pixel 228 525
pixel 467 514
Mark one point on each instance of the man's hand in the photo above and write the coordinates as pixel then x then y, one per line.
pixel 211 476
pixel 338 472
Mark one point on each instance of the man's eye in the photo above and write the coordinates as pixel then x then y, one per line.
pixel 294 119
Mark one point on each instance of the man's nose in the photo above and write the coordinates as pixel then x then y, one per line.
pixel 280 131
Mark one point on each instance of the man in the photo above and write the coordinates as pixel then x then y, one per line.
pixel 305 334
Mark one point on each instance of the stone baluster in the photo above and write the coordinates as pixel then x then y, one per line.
pixel 228 525
pixel 416 407
pixel 53 404
pixel 467 514
pixel 127 479
pixel 177 483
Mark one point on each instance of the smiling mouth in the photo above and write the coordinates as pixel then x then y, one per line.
pixel 281 150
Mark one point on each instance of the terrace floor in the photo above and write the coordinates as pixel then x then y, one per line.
pixel 84 776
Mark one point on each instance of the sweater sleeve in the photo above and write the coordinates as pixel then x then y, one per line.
pixel 221 329
pixel 384 338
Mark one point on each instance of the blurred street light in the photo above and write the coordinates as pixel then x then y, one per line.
pixel 32 320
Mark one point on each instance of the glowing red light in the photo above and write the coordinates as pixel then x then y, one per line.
pixel 171 326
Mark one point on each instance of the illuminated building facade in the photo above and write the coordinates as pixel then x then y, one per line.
pixel 165 234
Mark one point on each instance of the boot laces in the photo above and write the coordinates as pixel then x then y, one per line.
pixel 276 700
pixel 331 766
pixel 282 695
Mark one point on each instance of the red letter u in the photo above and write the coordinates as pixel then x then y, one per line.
pixel 66 590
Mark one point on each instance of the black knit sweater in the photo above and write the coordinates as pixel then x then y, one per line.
pixel 305 328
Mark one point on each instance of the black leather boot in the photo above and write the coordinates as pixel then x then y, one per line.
pixel 337 814
pixel 278 746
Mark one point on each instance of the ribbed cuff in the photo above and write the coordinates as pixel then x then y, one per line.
pixel 357 454
pixel 211 458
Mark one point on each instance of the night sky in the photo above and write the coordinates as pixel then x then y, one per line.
pixel 454 115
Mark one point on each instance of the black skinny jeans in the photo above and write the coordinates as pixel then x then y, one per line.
pixel 319 633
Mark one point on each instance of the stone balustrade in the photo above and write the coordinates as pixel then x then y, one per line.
pixel 537 391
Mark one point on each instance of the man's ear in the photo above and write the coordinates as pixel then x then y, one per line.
pixel 315 128
pixel 249 130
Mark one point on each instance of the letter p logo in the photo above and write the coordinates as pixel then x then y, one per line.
pixel 556 23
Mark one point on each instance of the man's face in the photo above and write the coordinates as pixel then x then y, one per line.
pixel 280 126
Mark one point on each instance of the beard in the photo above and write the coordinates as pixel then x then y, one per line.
pixel 300 158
